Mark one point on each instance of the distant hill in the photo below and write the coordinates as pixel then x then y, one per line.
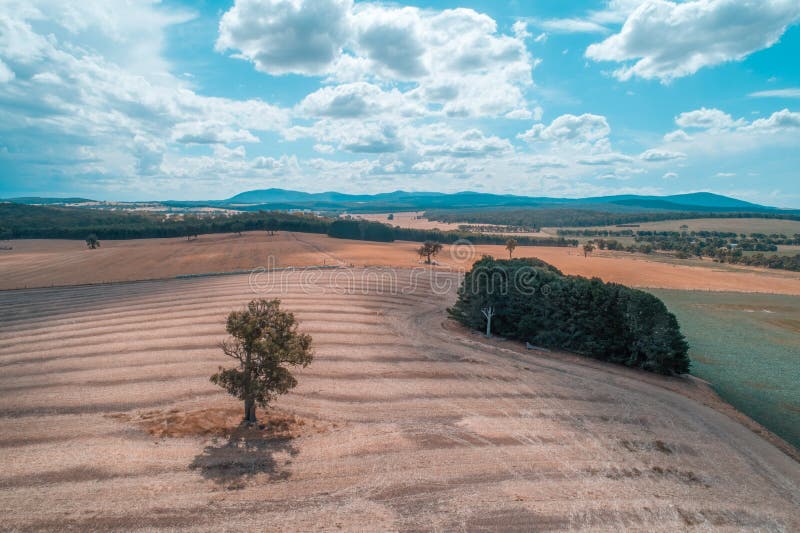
pixel 37 200
pixel 413 201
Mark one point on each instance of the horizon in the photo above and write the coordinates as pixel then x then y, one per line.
pixel 174 100
pixel 395 191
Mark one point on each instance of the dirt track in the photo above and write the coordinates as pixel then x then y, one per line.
pixel 398 425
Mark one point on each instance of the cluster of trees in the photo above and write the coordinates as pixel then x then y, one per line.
pixel 533 301
pixel 722 246
pixel 362 230
pixel 566 217
pixel 783 262
pixel 449 237
pixel 33 222
pixel 49 222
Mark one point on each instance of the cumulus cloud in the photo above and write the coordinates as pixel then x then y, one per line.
pixel 357 99
pixel 85 82
pixel 6 74
pixel 210 133
pixel 666 40
pixel 677 136
pixel 585 130
pixel 471 143
pixel 704 118
pixel 779 121
pixel 605 159
pixel 283 36
pixel 654 155
pixel 456 58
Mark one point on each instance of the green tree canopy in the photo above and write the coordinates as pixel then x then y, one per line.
pixel 265 339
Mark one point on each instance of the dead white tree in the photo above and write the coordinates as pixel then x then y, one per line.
pixel 488 312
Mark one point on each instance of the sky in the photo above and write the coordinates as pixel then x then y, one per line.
pixel 147 100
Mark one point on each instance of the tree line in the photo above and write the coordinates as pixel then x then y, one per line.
pixel 533 301
pixel 535 218
pixel 18 221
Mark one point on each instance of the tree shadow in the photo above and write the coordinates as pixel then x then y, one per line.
pixel 247 452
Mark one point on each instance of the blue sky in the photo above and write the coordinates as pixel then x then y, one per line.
pixel 202 100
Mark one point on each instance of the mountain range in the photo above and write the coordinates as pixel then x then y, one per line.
pixel 283 199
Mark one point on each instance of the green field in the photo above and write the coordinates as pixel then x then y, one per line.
pixel 748 347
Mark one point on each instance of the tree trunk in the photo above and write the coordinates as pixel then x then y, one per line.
pixel 250 411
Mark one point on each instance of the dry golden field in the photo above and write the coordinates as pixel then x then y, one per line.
pixel 417 220
pixel 401 423
pixel 44 263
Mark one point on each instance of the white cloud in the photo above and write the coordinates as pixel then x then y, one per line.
pixel 704 118
pixel 793 92
pixel 677 136
pixel 669 176
pixel 587 130
pixel 210 133
pixel 103 99
pixel 471 143
pixel 520 29
pixel 667 40
pixel 571 25
pixel 283 36
pixel 611 158
pixel 654 155
pixel 456 58
pixel 782 120
pixel 6 74
pixel 357 99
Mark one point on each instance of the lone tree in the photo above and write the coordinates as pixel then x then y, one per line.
pixel 429 250
pixel 587 249
pixel 264 340
pixel 511 245
pixel 271 226
pixel 92 242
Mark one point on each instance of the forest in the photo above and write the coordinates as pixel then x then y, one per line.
pixel 566 217
pixel 18 221
pixel 534 302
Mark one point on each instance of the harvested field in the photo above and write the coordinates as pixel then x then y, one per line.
pixel 43 263
pixel 417 220
pixel 411 219
pixel 109 422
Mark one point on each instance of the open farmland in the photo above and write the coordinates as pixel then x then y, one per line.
pixel 736 225
pixel 748 346
pixel 109 421
pixel 417 220
pixel 43 263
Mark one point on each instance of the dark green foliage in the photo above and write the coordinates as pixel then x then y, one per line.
pixel 47 222
pixel 92 242
pixel 429 250
pixel 535 302
pixel 449 237
pixel 360 230
pixel 264 340
pixel 548 216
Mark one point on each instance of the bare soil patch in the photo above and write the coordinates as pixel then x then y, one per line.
pixel 108 421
